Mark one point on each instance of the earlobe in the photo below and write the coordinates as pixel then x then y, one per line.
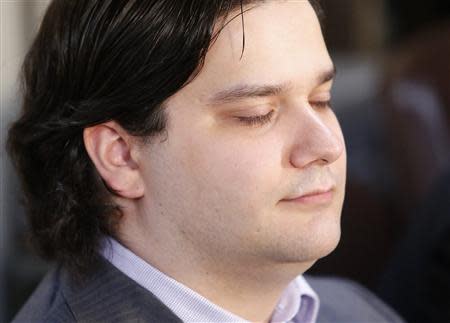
pixel 110 148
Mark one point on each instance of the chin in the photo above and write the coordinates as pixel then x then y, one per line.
pixel 325 237
pixel 306 249
pixel 312 243
pixel 328 245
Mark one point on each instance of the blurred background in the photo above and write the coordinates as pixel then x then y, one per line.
pixel 392 97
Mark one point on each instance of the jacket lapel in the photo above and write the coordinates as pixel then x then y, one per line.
pixel 108 295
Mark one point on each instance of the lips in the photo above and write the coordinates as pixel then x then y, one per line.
pixel 316 196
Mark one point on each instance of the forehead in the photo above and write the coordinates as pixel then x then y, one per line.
pixel 283 44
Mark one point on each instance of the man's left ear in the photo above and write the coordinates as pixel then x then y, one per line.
pixel 112 151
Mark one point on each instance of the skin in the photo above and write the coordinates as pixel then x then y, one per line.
pixel 209 204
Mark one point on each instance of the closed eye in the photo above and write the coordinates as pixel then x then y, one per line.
pixel 257 120
pixel 322 104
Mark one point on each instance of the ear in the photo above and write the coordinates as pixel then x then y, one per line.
pixel 111 149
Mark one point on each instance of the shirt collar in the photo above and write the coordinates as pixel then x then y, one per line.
pixel 298 303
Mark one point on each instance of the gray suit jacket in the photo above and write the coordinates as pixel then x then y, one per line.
pixel 108 295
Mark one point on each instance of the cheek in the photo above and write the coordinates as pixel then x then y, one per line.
pixel 241 172
pixel 228 187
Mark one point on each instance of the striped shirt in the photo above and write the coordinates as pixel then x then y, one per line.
pixel 298 303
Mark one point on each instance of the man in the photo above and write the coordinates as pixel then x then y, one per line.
pixel 182 162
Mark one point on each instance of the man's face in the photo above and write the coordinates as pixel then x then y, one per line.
pixel 247 137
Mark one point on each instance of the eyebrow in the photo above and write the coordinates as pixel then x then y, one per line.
pixel 245 91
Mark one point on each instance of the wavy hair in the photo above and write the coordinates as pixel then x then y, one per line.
pixel 93 61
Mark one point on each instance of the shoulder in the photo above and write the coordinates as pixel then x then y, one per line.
pixel 47 303
pixel 342 300
pixel 103 295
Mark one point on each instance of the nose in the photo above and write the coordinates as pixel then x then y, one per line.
pixel 318 139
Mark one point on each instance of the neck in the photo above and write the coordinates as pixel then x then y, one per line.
pixel 248 288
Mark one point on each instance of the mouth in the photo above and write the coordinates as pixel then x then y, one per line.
pixel 315 197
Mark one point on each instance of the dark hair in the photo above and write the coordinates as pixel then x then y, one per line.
pixel 94 61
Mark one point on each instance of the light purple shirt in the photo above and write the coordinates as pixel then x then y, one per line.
pixel 298 303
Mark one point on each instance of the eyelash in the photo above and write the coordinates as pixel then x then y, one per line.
pixel 263 119
pixel 322 104
pixel 256 120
